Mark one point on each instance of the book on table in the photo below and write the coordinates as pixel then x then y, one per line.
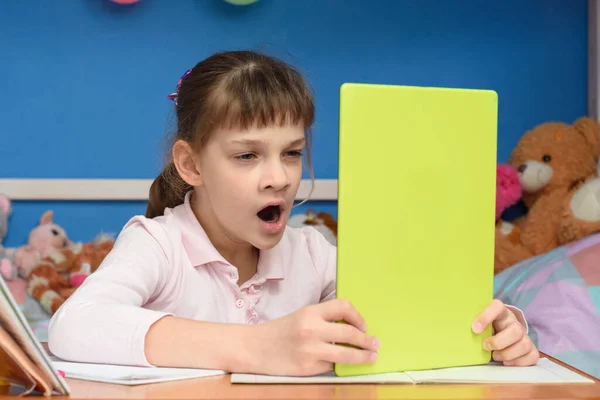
pixel 24 362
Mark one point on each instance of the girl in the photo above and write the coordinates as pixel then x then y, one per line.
pixel 211 277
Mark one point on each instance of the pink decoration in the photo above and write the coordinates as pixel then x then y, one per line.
pixel 76 280
pixel 508 188
pixel 125 1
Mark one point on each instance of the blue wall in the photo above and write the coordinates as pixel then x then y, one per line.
pixel 84 82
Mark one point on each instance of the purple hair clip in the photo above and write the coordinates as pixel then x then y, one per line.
pixel 173 96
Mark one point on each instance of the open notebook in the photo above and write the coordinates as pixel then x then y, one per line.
pixel 130 376
pixel 546 371
pixel 23 360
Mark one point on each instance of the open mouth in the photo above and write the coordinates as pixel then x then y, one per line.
pixel 270 213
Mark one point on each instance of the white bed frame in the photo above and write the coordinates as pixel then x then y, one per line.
pixel 121 189
pixel 325 189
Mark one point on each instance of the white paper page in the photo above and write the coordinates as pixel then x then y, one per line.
pixel 545 371
pixel 126 375
pixel 17 326
pixel 565 374
pixel 393 377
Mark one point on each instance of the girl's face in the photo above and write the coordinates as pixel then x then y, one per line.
pixel 250 180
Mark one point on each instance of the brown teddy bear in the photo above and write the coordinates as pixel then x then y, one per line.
pixel 558 170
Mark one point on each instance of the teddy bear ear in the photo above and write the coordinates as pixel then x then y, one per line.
pixel 590 129
pixel 47 217
pixel 5 204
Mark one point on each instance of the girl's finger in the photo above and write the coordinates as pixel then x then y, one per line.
pixel 496 313
pixel 515 351
pixel 341 310
pixel 347 334
pixel 503 339
pixel 528 359
pixel 339 354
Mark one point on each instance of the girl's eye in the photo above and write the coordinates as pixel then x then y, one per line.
pixel 245 157
pixel 294 153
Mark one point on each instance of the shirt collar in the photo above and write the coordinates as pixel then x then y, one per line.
pixel 201 251
pixel 270 263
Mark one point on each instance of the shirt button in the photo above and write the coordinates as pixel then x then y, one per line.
pixel 239 303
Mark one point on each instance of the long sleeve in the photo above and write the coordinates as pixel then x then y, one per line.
pixel 520 317
pixel 103 321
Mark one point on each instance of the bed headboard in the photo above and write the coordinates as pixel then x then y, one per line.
pixel 121 189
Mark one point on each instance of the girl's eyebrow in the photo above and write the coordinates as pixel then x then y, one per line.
pixel 247 142
pixel 250 142
pixel 297 142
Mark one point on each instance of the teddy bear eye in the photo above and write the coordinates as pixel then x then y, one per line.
pixel 546 158
pixel 54 232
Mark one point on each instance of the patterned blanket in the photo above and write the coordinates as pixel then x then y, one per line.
pixel 559 292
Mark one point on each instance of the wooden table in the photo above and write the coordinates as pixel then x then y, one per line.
pixel 219 387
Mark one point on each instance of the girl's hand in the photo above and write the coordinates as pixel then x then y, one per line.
pixel 510 343
pixel 302 343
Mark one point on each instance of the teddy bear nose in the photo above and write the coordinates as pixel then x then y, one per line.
pixel 522 168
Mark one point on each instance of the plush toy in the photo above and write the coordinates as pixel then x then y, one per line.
pixel 8 270
pixel 43 240
pixel 508 193
pixel 557 168
pixel 322 222
pixel 508 188
pixel 55 277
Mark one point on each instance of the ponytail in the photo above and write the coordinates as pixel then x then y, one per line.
pixel 167 190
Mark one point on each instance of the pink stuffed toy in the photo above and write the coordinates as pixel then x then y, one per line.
pixel 508 193
pixel 43 241
pixel 7 268
pixel 508 188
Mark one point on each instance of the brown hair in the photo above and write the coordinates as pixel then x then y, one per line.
pixel 232 90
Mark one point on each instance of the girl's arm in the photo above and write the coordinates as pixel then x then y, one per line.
pixel 296 344
pixel 104 322
pixel 184 343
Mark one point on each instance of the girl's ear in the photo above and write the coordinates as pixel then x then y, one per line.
pixel 184 160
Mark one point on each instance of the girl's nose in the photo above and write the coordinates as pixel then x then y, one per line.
pixel 276 178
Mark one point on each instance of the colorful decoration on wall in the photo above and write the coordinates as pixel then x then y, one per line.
pixel 241 2
pixel 125 1
pixel 235 2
